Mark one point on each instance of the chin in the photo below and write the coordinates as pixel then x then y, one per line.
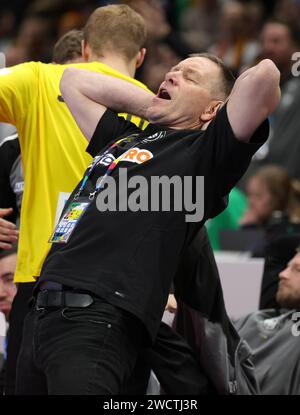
pixel 5 313
pixel 287 301
pixel 154 115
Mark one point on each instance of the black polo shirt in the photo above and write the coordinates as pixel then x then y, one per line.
pixel 130 258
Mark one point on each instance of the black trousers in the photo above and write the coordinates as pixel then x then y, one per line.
pixel 19 310
pixel 172 360
pixel 78 351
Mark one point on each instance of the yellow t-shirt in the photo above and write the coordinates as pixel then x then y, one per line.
pixel 52 148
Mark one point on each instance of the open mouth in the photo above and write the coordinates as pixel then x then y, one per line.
pixel 163 94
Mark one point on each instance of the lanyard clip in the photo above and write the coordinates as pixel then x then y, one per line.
pixel 92 195
pixel 77 196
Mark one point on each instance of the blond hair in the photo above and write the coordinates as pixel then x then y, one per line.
pixel 115 27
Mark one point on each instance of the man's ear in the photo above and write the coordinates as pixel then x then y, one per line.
pixel 85 50
pixel 211 111
pixel 140 57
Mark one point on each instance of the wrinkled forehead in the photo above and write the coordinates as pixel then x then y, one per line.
pixel 199 64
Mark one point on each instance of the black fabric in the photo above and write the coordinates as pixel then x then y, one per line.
pixel 197 284
pixel 84 351
pixel 130 258
pixel 17 315
pixel 2 374
pixel 176 366
pixel 201 318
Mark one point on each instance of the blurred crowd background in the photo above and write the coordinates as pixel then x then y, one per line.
pixel 229 28
pixel 241 33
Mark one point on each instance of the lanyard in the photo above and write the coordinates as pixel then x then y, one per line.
pixel 109 169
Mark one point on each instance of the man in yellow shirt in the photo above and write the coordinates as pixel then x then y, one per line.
pixel 52 145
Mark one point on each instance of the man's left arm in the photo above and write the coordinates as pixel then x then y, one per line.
pixel 254 97
pixel 88 94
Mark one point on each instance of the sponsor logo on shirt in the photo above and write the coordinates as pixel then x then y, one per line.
pixel 154 137
pixel 133 155
pixel 137 155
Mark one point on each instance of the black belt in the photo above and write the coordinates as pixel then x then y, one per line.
pixel 60 299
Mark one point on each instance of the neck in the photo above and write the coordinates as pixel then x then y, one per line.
pixel 117 63
pixel 188 125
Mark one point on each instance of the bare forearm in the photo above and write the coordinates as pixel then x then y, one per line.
pixel 109 91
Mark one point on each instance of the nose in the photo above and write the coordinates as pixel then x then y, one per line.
pixel 284 274
pixel 172 77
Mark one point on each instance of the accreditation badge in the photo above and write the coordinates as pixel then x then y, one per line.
pixel 68 221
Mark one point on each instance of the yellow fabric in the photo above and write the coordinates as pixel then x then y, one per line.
pixel 52 148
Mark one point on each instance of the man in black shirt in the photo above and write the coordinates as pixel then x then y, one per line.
pixel 105 282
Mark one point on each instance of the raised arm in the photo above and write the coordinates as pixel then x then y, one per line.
pixel 88 94
pixel 254 97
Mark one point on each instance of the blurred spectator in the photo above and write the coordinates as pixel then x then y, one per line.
pixel 237 45
pixel 8 261
pixel 165 46
pixel 7 27
pixel 288 11
pixel 279 41
pixel 70 20
pixel 198 23
pixel 158 27
pixel 273 336
pixel 32 43
pixel 273 204
pixel 228 219
pixel 272 191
